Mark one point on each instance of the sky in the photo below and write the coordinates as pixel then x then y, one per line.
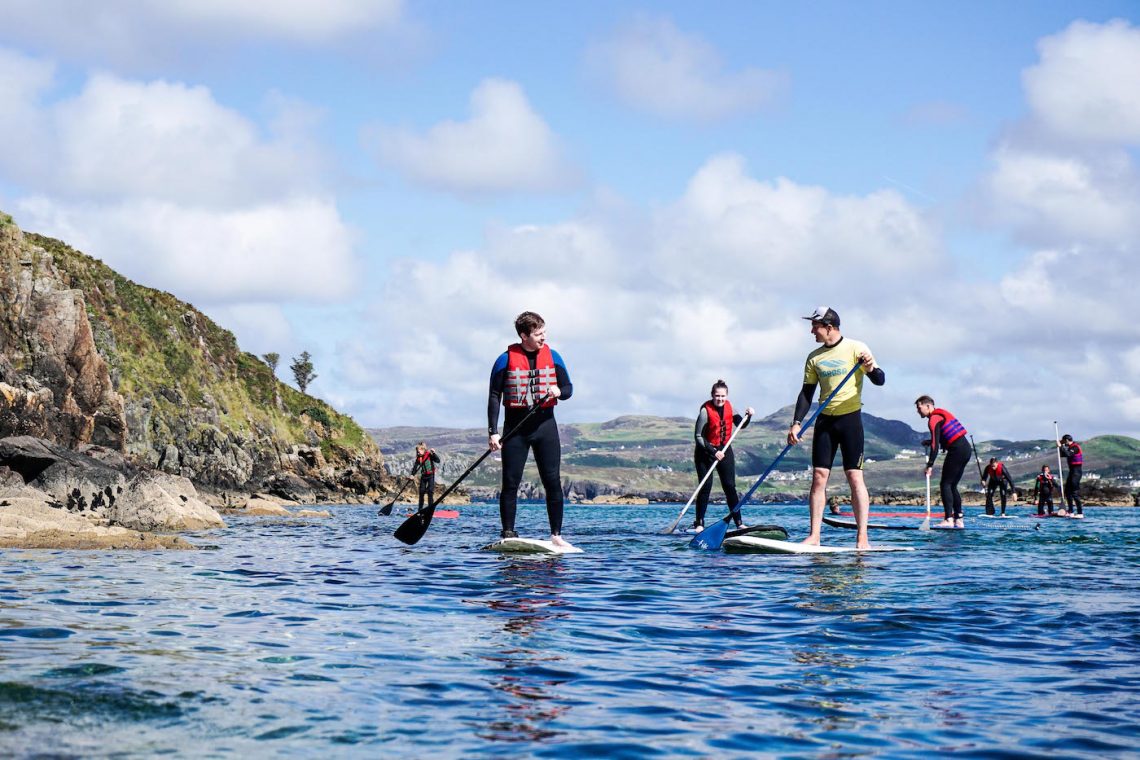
pixel 671 185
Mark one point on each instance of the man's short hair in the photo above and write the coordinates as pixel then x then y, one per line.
pixel 528 322
pixel 924 400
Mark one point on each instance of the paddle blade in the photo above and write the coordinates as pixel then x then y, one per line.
pixel 711 537
pixel 386 509
pixel 414 528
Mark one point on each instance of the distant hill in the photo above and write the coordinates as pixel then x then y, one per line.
pixel 652 456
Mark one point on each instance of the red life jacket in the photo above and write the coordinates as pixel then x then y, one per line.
pixel 524 385
pixel 1046 481
pixel 999 470
pixel 427 466
pixel 952 429
pixel 1076 457
pixel 719 427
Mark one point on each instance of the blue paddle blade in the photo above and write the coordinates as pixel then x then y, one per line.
pixel 711 537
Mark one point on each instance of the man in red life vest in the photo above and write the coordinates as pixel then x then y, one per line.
pixel 528 373
pixel 996 477
pixel 1043 490
pixel 1075 457
pixel 715 423
pixel 949 435
pixel 426 460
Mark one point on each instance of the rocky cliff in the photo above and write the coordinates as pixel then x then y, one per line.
pixel 90 359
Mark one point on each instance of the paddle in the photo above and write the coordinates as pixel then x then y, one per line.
pixel 926 523
pixel 1060 474
pixel 387 508
pixel 713 536
pixel 708 475
pixel 414 528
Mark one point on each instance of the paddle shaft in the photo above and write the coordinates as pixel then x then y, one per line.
pixel 977 461
pixel 708 475
pixel 414 528
pixel 1060 474
pixel 388 507
pixel 823 404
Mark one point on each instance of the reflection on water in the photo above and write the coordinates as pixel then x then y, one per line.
pixel 519 671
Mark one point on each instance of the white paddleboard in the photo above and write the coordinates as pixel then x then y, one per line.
pixel 529 546
pixel 772 546
pixel 999 517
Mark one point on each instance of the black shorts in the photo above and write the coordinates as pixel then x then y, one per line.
pixel 841 432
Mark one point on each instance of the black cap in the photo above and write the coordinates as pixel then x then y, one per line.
pixel 825 315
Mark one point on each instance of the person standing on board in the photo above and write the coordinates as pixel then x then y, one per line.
pixel 946 434
pixel 839 427
pixel 715 423
pixel 1043 490
pixel 1071 451
pixel 527 373
pixel 426 460
pixel 996 478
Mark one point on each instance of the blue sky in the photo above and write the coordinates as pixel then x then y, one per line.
pixel 672 185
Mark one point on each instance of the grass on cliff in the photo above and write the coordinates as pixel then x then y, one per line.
pixel 162 349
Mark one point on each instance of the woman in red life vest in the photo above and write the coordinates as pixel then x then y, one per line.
pixel 995 477
pixel 946 434
pixel 1043 490
pixel 1075 457
pixel 715 423
pixel 426 460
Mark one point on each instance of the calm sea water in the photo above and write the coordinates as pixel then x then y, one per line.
pixel 329 638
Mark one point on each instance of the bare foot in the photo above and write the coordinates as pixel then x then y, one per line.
pixel 560 542
pixel 959 523
pixel 863 545
pixel 812 540
pixel 946 524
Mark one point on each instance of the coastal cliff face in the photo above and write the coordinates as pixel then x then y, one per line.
pixel 89 358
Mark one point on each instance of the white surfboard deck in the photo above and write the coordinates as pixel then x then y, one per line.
pixel 529 546
pixel 999 517
pixel 772 546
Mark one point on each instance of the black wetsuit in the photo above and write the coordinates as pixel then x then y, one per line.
pixel 994 482
pixel 954 466
pixel 1073 481
pixel 427 478
pixel 1043 492
pixel 539 434
pixel 704 457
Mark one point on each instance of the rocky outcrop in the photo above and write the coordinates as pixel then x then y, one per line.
pixel 91 359
pixel 54 384
pixel 163 503
pixel 29 520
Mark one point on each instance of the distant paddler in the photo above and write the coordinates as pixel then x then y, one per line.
pixel 426 460
pixel 712 434
pixel 528 373
pixel 996 478
pixel 1075 458
pixel 1043 489
pixel 840 425
pixel 946 434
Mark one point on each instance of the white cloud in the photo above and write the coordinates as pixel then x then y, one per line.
pixel 172 188
pixel 653 66
pixel 504 147
pixel 124 29
pixel 1087 84
pixel 647 318
pixel 293 249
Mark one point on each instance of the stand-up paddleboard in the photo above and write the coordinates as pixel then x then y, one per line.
pixel 850 524
pixel 1000 527
pixel 883 514
pixel 444 513
pixel 529 546
pixel 998 517
pixel 752 544
pixel 1059 517
pixel 764 531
